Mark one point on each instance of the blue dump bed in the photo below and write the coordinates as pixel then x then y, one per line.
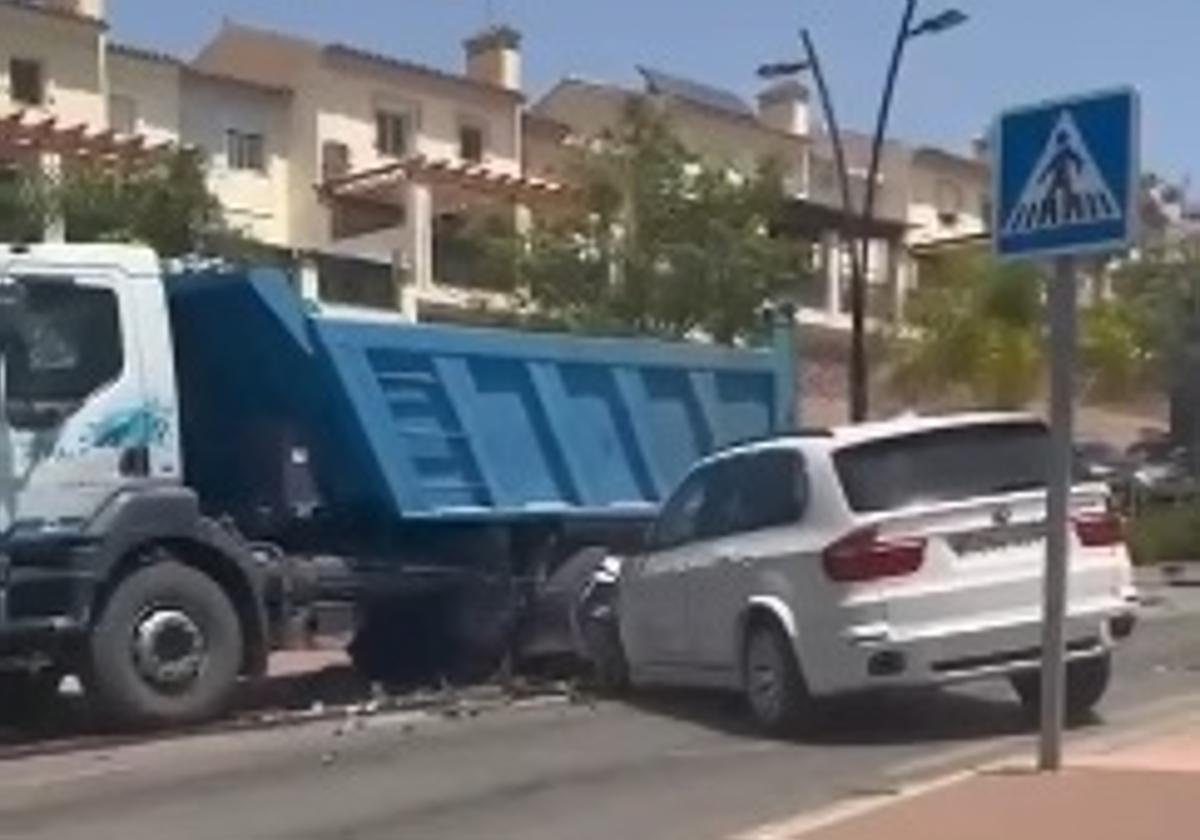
pixel 287 407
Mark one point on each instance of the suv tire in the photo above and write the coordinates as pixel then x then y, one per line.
pixel 774 688
pixel 1087 682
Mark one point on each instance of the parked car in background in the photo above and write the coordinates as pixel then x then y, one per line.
pixel 1159 470
pixel 905 553
pixel 1100 461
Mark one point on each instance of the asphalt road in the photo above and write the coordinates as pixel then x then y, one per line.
pixel 662 767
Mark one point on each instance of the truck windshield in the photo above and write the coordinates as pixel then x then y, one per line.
pixel 69 344
pixel 943 465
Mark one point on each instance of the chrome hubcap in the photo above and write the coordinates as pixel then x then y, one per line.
pixel 168 648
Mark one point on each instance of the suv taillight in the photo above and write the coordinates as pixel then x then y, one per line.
pixel 862 556
pixel 1098 530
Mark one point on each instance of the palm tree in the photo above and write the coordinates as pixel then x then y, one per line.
pixel 974 333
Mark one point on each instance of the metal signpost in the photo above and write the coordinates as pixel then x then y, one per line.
pixel 1066 183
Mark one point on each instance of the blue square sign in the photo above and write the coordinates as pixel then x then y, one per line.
pixel 1067 176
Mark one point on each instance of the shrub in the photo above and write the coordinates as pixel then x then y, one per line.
pixel 1165 533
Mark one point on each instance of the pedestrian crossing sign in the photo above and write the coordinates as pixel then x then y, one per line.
pixel 1066 177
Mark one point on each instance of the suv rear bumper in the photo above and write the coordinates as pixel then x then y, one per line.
pixel 890 660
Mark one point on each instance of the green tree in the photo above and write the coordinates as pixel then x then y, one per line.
pixel 977 330
pixel 1157 298
pixel 165 204
pixel 23 206
pixel 659 241
pixel 974 330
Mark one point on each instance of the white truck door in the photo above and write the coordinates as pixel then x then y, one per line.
pixel 75 424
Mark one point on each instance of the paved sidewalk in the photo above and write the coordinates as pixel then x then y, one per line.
pixel 293 663
pixel 1149 790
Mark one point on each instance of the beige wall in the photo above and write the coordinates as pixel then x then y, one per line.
pixel 941 186
pixel 154 87
pixel 338 102
pixel 348 94
pixel 546 155
pixel 254 202
pixel 591 109
pixel 70 54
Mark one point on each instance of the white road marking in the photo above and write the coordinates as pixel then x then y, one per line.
pixel 803 824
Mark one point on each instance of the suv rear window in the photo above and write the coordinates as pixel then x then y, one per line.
pixel 943 465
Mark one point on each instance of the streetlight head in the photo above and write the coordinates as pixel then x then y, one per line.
pixel 781 69
pixel 940 22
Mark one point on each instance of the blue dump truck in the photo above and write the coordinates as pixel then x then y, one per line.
pixel 190 462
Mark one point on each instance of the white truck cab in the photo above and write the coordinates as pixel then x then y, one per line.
pixel 89 395
pixel 108 568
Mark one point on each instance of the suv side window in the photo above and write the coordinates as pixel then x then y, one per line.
pixel 680 518
pixel 780 484
pixel 764 489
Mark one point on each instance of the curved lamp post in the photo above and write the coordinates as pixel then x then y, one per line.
pixel 861 254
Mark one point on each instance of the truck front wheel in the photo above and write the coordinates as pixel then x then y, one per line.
pixel 166 649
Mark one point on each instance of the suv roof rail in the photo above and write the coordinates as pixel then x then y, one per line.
pixel 803 432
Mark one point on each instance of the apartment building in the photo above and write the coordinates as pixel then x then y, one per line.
pixel 389 158
pixel 374 168
pixel 366 163
pixel 924 195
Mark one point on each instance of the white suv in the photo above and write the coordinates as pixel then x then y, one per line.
pixel 902 553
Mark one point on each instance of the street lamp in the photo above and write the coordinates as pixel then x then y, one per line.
pixel 860 251
pixel 941 22
pixel 812 62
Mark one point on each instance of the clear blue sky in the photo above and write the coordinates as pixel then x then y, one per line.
pixel 1011 51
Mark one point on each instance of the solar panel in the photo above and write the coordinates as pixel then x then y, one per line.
pixel 666 84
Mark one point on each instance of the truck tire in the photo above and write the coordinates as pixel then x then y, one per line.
pixel 775 691
pixel 1087 682
pixel 166 650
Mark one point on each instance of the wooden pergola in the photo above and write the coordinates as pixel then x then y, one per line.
pixel 382 183
pixel 24 136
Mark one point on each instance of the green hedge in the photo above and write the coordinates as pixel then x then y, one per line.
pixel 1165 533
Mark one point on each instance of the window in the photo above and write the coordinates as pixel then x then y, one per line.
pixel 391 133
pixel 752 492
pixel 351 217
pixel 950 202
pixel 335 160
pixel 122 114
pixel 772 489
pixel 245 150
pixel 944 465
pixel 356 282
pixel 69 347
pixel 470 142
pixel 986 208
pixel 679 521
pixel 734 495
pixel 26 81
